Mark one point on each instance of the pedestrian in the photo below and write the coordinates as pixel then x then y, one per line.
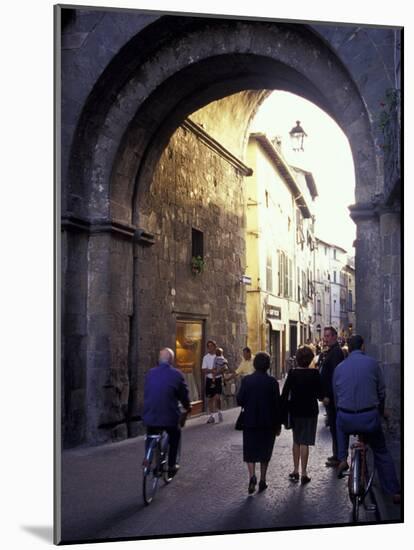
pixel 327 363
pixel 213 383
pixel 229 389
pixel 311 345
pixel 245 367
pixel 259 398
pixel 221 367
pixel 321 355
pixel 246 364
pixel 314 362
pixel 164 389
pixel 301 391
pixel 359 392
pixel 220 362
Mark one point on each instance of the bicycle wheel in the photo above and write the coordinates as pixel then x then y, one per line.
pixel 368 478
pixel 151 473
pixel 369 471
pixel 355 486
pixel 355 509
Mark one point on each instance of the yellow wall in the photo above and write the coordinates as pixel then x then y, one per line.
pixel 271 226
pixel 267 229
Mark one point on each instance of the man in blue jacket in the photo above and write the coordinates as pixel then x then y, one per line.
pixel 165 388
pixel 359 393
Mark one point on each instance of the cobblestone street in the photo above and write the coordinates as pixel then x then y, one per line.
pixel 102 488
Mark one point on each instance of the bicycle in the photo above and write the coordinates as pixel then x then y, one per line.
pixel 155 464
pixel 360 477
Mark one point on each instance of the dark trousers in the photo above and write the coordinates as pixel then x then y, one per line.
pixel 331 412
pixel 369 424
pixel 174 436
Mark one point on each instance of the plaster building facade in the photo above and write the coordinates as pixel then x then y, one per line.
pixel 305 254
pixel 127 81
pixel 349 274
pixel 334 289
pixel 322 288
pixel 337 259
pixel 279 244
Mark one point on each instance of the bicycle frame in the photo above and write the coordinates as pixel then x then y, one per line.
pixel 154 464
pixel 151 442
pixel 156 443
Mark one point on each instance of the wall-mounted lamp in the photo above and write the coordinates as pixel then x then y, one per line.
pixel 297 135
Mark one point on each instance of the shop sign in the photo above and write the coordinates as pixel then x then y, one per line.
pixel 274 311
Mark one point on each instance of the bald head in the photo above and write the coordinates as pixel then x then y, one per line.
pixel 167 356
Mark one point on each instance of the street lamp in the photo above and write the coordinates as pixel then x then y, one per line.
pixel 297 135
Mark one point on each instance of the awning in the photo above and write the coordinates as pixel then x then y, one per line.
pixel 276 325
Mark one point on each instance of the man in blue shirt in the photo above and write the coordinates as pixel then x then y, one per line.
pixel 165 388
pixel 359 394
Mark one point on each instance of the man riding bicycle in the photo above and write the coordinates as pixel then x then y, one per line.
pixel 359 394
pixel 165 388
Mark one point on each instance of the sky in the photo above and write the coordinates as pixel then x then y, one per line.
pixel 326 154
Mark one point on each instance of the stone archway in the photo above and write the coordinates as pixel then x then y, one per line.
pixel 193 69
pixel 117 146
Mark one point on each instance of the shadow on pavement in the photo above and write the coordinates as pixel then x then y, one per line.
pixel 93 530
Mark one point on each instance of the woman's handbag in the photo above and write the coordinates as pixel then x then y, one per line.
pixel 287 417
pixel 239 422
pixel 288 422
pixel 286 402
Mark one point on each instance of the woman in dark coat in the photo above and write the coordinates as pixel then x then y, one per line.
pixel 302 389
pixel 259 397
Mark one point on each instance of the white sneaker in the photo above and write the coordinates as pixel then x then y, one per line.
pixel 220 416
pixel 210 419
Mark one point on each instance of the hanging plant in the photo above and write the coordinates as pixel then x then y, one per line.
pixel 197 264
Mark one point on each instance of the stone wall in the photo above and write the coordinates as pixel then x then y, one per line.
pixel 74 344
pixel 391 334
pixel 108 350
pixel 192 187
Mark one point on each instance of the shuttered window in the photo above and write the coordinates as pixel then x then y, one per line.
pixel 269 273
